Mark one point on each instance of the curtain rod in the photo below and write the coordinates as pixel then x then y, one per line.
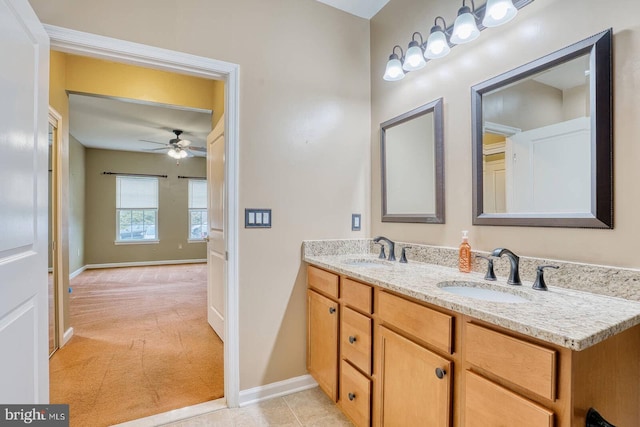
pixel 134 174
pixel 191 177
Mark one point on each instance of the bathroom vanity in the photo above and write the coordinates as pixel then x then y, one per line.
pixel 392 346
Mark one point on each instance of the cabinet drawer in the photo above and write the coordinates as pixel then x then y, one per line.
pixel 357 295
pixel 355 395
pixel 488 404
pixel 528 365
pixel 355 342
pixel 422 322
pixel 323 281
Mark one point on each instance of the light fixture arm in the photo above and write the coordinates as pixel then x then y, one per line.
pixel 443 28
pixel 473 9
pixel 422 43
pixel 393 52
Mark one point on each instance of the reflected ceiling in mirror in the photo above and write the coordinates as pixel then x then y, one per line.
pixel 412 166
pixel 542 141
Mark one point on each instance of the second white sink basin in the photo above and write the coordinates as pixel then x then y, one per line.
pixel 472 290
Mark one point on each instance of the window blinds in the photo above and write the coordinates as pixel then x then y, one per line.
pixel 197 194
pixel 136 193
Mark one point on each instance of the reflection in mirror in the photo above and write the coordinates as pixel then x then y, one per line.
pixel 412 166
pixel 542 141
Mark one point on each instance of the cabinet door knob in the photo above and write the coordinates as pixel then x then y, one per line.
pixel 332 310
pixel 352 396
pixel 352 339
pixel 440 373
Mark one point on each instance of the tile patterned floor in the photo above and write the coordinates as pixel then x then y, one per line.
pixel 306 408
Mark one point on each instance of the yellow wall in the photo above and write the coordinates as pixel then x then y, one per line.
pixel 304 139
pixel 540 28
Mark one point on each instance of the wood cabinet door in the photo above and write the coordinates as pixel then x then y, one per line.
pixel 322 342
pixel 408 390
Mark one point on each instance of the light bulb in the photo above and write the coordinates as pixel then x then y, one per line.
pixel 498 12
pixel 394 71
pixel 465 28
pixel 437 46
pixel 414 59
pixel 172 153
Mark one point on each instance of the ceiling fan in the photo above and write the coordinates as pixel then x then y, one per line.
pixel 177 148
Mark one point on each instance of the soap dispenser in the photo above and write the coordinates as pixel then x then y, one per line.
pixel 464 259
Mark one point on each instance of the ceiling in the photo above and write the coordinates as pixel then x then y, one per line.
pixel 362 8
pixel 128 125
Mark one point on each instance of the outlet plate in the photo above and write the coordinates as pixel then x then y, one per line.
pixel 356 222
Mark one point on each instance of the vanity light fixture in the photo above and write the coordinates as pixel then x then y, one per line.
pixel 394 71
pixel 498 12
pixel 414 59
pixel 465 29
pixel 437 44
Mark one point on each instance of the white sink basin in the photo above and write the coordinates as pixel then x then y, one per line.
pixel 367 263
pixel 479 291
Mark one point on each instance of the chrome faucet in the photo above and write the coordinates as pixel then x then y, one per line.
pixel 514 275
pixel 392 246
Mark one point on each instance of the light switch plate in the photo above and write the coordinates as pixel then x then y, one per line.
pixel 356 222
pixel 257 218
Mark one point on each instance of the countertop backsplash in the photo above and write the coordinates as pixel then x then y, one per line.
pixel 603 280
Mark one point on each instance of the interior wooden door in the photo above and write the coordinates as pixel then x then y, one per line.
pixel 409 391
pixel 24 105
pixel 216 231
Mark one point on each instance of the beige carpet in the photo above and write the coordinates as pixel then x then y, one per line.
pixel 141 345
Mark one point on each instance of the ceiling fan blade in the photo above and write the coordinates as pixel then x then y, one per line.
pixel 153 142
pixel 200 149
pixel 155 149
pixel 184 143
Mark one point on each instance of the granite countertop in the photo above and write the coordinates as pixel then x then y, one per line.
pixel 569 318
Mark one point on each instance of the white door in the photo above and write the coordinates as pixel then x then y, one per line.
pixel 549 169
pixel 217 239
pixel 24 104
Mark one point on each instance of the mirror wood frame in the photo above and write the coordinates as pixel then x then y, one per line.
pixel 437 217
pixel 599 46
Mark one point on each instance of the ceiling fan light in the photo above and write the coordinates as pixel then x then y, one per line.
pixel 498 12
pixel 172 153
pixel 182 154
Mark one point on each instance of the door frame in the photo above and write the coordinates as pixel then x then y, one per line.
pixel 55 119
pixel 116 50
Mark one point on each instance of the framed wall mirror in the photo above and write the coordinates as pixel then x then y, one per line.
pixel 412 162
pixel 542 141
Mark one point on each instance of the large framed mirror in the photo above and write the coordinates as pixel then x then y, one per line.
pixel 542 141
pixel 412 160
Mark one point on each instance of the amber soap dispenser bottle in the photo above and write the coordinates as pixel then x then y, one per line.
pixel 464 260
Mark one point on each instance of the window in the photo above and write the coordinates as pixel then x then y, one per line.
pixel 136 209
pixel 197 209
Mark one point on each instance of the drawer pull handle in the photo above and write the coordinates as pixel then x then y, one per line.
pixel 332 310
pixel 352 396
pixel 440 373
pixel 352 339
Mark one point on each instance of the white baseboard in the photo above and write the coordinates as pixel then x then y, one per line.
pixel 177 414
pixel 77 272
pixel 67 336
pixel 280 388
pixel 144 263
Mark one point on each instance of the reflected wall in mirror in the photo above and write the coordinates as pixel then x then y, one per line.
pixel 412 162
pixel 542 139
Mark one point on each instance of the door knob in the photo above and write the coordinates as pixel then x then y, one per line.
pixel 440 373
pixel 352 339
pixel 332 310
pixel 206 239
pixel 352 396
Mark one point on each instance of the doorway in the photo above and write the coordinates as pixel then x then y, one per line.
pixel 54 282
pixel 86 44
